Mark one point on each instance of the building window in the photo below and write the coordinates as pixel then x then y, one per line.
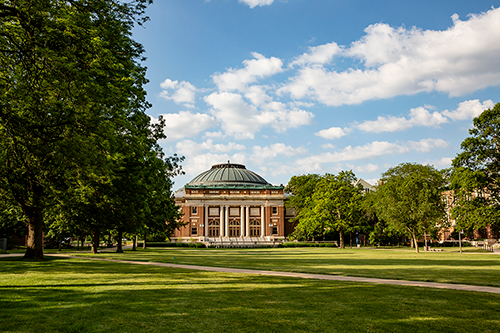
pixel 255 228
pixel 194 210
pixel 213 228
pixel 275 210
pixel 234 228
pixel 274 231
pixel 194 230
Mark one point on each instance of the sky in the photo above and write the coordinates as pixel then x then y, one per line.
pixel 291 87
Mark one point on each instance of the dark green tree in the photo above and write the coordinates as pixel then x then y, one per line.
pixel 335 205
pixel 475 179
pixel 69 77
pixel 300 188
pixel 410 199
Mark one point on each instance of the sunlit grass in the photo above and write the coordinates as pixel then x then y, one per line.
pixel 448 267
pixel 68 295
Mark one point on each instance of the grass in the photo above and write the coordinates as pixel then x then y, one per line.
pixel 76 295
pixel 447 267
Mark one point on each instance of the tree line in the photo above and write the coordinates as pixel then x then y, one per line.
pixel 78 154
pixel 411 199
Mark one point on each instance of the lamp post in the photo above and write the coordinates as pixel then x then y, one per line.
pixel 460 240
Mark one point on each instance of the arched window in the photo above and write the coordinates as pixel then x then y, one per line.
pixel 213 228
pixel 234 228
pixel 255 228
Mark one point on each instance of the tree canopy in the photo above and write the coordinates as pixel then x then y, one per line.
pixel 410 199
pixel 335 205
pixel 73 128
pixel 475 178
pixel 300 188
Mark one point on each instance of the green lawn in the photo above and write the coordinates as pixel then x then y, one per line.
pixel 449 267
pixel 72 295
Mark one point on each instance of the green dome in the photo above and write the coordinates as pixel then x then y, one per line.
pixel 221 175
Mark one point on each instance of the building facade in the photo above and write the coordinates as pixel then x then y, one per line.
pixel 230 204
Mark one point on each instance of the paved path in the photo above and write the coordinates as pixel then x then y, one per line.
pixel 494 290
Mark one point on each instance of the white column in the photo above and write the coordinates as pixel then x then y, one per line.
pixel 262 222
pixel 227 222
pixel 247 220
pixel 241 221
pixel 221 222
pixel 206 221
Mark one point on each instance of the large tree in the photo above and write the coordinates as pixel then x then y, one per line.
pixel 410 201
pixel 335 205
pixel 300 188
pixel 475 179
pixel 69 77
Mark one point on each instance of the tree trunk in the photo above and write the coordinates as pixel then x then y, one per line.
pixel 415 241
pixel 110 241
pixel 83 241
pixel 34 247
pixel 144 244
pixel 341 234
pixel 95 242
pixel 119 248
pixel 77 243
pixel 134 243
pixel 350 240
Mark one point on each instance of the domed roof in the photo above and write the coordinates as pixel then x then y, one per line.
pixel 228 174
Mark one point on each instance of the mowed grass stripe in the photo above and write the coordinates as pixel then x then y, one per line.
pixel 68 295
pixel 442 267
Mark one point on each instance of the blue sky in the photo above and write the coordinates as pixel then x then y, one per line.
pixel 313 86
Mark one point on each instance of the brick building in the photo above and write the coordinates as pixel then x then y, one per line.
pixel 231 205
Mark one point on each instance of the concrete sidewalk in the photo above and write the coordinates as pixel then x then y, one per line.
pixel 464 287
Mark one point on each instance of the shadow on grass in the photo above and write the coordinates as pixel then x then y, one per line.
pixel 76 296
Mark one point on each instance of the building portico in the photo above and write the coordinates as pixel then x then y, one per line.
pixel 229 201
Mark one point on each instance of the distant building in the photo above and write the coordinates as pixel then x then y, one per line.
pixel 367 188
pixel 231 205
pixel 445 234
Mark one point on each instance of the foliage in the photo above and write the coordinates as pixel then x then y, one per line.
pixel 410 199
pixel 382 234
pixel 300 188
pixel 313 244
pixel 475 179
pixel 335 205
pixel 73 130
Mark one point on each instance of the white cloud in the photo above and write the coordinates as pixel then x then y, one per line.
pixel 264 154
pixel 243 120
pixel 426 145
pixel 184 92
pixel 400 61
pixel 191 148
pixel 186 124
pixel 422 117
pixel 255 3
pixel 198 160
pixel 194 165
pixel 469 109
pixel 328 146
pixel 444 162
pixel 418 117
pixel 321 54
pixel 258 68
pixel 215 135
pixel 371 150
pixel 332 133
pixel 366 168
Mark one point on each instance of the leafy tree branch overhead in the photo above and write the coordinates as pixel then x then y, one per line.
pixel 73 105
